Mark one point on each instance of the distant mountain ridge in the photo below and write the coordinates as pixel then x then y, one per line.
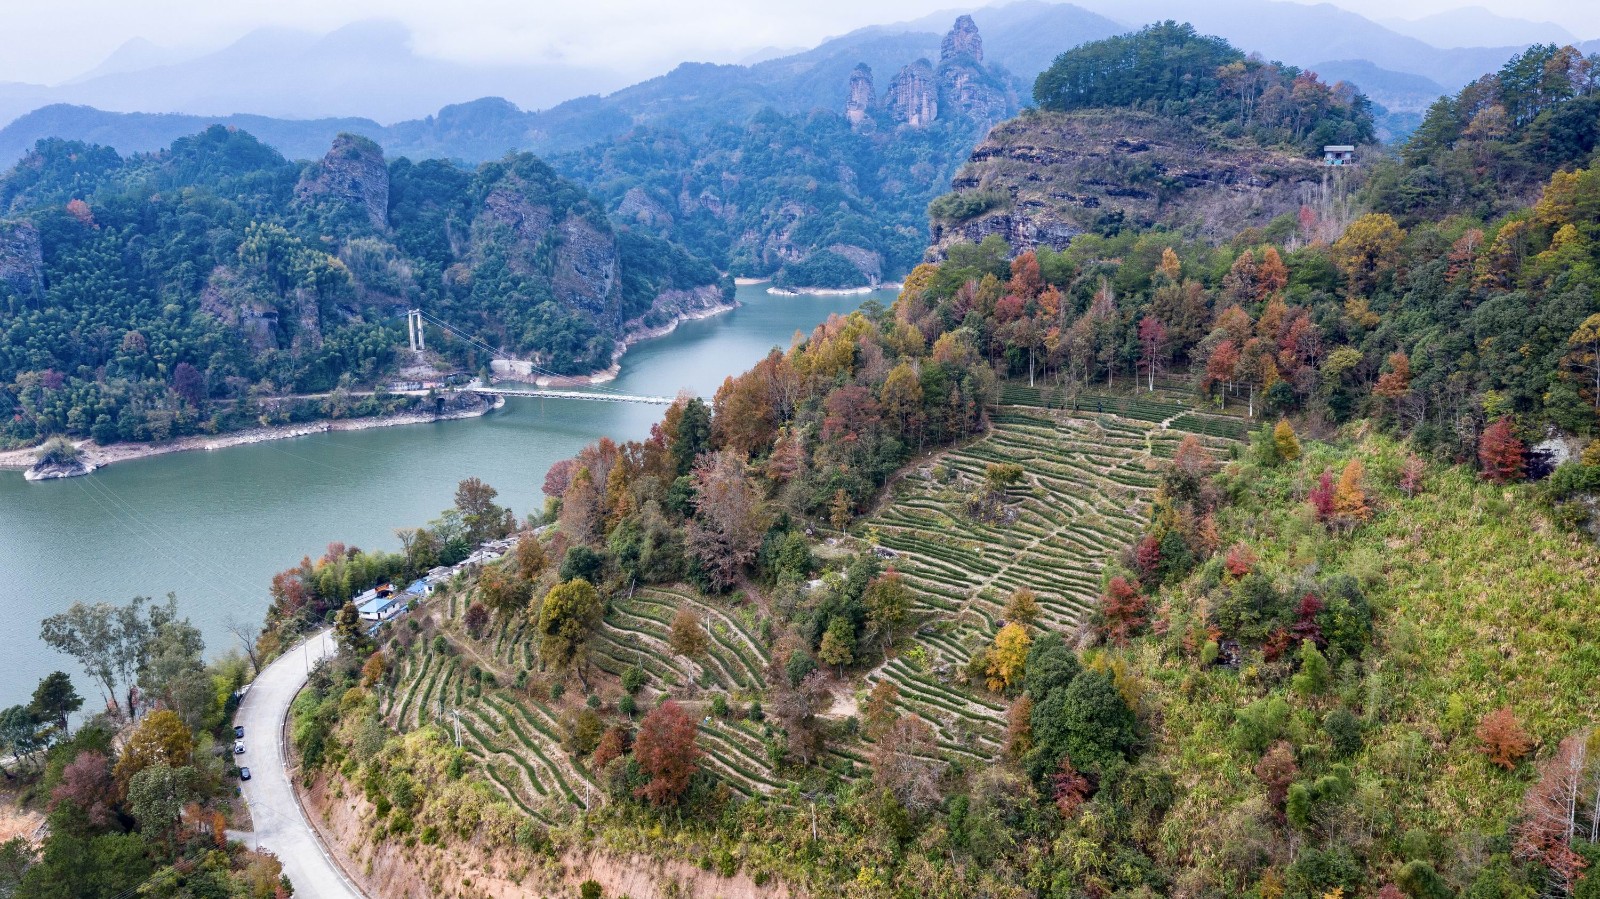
pixel 367 68
pixel 1462 27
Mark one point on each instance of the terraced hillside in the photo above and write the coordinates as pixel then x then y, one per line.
pixel 1084 496
pixel 517 737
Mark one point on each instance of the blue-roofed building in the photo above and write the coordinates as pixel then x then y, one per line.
pixel 419 587
pixel 375 607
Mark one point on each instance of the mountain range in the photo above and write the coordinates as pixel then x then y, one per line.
pixel 297 90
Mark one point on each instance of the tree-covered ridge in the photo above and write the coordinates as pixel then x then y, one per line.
pixel 1486 150
pixel 1171 69
pixel 778 195
pixel 176 292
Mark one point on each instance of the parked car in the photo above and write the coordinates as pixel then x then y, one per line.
pixel 244 773
pixel 238 747
pixel 238 730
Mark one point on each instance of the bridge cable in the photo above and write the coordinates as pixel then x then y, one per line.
pixel 500 354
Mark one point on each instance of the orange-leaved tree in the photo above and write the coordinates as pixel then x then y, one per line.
pixel 1504 741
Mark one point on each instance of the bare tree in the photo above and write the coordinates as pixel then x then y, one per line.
pixel 247 635
pixel 730 518
pixel 903 763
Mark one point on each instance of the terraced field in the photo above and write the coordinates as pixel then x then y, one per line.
pixel 516 739
pixel 1085 493
pixel 1088 479
pixel 1161 407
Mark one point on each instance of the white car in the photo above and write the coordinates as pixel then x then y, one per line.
pixel 238 747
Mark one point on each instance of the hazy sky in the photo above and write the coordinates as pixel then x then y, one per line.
pixel 47 41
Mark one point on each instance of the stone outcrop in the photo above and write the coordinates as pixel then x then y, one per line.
pixel 913 98
pixel 963 42
pixel 638 206
pixel 920 94
pixel 352 178
pixel 966 85
pixel 265 320
pixel 21 261
pixel 1047 177
pixel 866 261
pixel 862 99
pixel 516 224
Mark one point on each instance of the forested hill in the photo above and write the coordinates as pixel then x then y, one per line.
pixel 828 198
pixel 1161 127
pixel 1489 149
pixel 160 294
pixel 816 167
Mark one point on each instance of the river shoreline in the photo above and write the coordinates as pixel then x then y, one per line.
pixel 96 457
pixel 830 291
pixel 624 344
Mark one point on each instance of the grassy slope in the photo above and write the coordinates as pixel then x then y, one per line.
pixel 1479 602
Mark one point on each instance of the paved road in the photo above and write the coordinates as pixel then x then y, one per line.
pixel 281 825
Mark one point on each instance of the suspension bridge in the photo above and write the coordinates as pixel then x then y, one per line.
pixel 416 320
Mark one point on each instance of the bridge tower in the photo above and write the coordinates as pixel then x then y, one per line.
pixel 414 330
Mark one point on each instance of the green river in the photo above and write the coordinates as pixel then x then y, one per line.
pixel 214 526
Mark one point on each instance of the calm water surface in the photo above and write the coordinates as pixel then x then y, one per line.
pixel 214 526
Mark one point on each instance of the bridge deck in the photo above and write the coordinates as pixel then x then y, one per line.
pixel 575 395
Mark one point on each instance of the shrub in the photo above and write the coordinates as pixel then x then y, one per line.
pixel 958 207
pixel 58 451
pixel 589 889
pixel 1504 741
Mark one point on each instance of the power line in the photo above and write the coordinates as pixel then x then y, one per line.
pixel 133 514
pixel 494 353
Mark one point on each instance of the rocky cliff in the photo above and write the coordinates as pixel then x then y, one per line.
pixel 21 262
pixel 913 98
pixel 572 246
pixel 862 99
pixel 963 41
pixel 1043 178
pixel 351 179
pixel 965 84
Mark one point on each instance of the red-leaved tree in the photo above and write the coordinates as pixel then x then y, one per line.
pixel 1069 788
pixel 87 784
pixel 1500 453
pixel 666 750
pixel 1241 560
pixel 1152 347
pixel 1123 607
pixel 1305 621
pixel 1551 814
pixel 1321 497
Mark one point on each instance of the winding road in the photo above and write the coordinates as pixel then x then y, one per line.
pixel 280 823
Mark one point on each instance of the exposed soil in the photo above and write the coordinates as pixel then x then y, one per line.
pixel 16 821
pixel 393 870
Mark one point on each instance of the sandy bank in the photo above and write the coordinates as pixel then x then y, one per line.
pixel 829 291
pixel 634 336
pixel 96 456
